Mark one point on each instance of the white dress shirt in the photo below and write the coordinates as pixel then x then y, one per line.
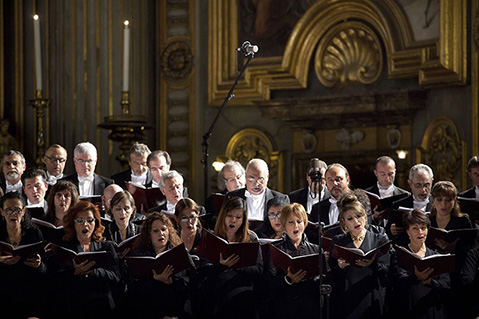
pixel 17 187
pixel 255 204
pixel 85 185
pixel 333 211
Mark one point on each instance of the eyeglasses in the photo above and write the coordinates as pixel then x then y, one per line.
pixel 260 180
pixel 56 160
pixel 187 219
pixel 445 199
pixel 273 216
pixel 82 161
pixel 81 221
pixel 13 211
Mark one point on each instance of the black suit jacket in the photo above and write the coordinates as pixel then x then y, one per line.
pixel 301 196
pixel 323 209
pixel 125 176
pixel 470 193
pixel 269 193
pixel 99 182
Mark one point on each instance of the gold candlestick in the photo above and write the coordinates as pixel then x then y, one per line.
pixel 40 104
pixel 125 128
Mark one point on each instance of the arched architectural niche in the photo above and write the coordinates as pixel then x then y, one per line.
pixel 435 63
pixel 445 152
pixel 252 143
pixel 384 18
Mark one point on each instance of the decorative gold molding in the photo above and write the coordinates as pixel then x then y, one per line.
pixel 349 54
pixel 443 149
pixel 252 143
pixel 440 62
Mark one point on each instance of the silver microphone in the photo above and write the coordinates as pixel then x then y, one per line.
pixel 248 49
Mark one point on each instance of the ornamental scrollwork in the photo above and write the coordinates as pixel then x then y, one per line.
pixel 347 55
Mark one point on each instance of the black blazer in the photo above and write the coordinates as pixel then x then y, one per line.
pixel 99 182
pixel 470 193
pixel 301 196
pixel 125 176
pixel 323 209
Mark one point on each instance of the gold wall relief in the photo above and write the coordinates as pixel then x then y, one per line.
pixel 435 62
pixel 348 54
pixel 252 143
pixel 443 150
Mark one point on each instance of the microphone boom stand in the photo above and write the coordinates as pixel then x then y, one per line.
pixel 207 135
pixel 324 290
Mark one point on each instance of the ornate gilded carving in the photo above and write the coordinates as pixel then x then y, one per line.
pixel 348 54
pixel 177 61
pixel 444 151
pixel 252 143
pixel 437 62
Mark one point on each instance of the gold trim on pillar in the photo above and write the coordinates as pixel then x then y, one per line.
pixel 443 150
pixel 439 62
pixel 252 143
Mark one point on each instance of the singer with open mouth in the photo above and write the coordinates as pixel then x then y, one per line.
pixel 81 282
pixel 361 284
pixel 417 295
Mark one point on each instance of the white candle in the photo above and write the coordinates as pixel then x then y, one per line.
pixel 38 52
pixel 126 57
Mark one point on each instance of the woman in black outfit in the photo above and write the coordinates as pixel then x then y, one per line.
pixel 286 289
pixel 86 288
pixel 446 214
pixel 416 295
pixel 123 212
pixel 21 278
pixel 228 292
pixel 362 284
pixel 162 294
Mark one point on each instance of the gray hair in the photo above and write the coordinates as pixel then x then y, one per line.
pixel 86 148
pixel 230 165
pixel 138 149
pixel 420 168
pixel 170 175
pixel 13 152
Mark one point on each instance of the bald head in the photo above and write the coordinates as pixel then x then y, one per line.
pixel 257 175
pixel 108 194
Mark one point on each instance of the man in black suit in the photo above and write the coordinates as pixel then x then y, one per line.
pixel 85 179
pixel 13 166
pixel 385 171
pixel 473 171
pixel 138 172
pixel 420 181
pixel 55 159
pixel 35 187
pixel 313 193
pixel 337 181
pixel 171 185
pixel 256 193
